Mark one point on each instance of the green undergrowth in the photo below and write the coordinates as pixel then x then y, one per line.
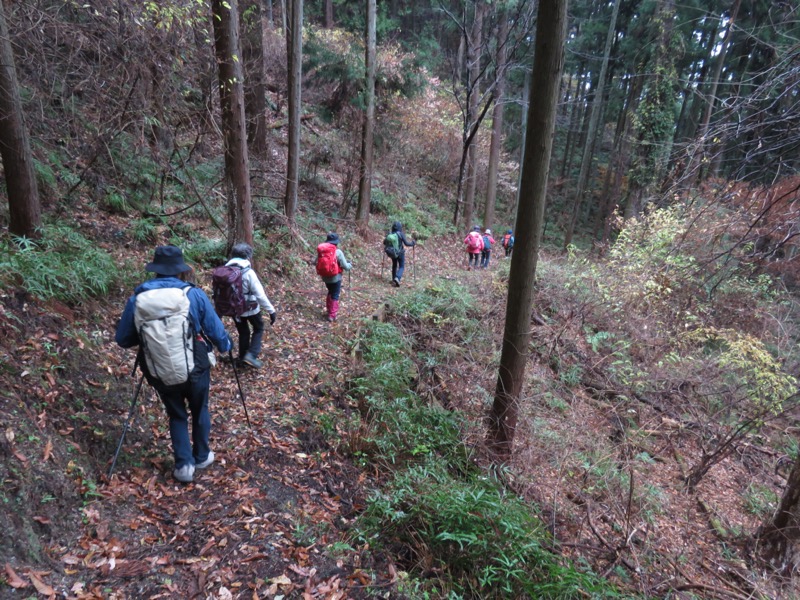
pixel 61 264
pixel 439 510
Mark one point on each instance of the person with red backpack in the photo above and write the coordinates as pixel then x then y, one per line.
pixel 255 299
pixel 331 262
pixel 508 242
pixel 474 243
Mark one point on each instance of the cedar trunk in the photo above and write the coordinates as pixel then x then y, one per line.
pixel 365 167
pixel 778 540
pixel 231 92
pixel 24 211
pixel 294 53
pixel 547 66
pixel 497 124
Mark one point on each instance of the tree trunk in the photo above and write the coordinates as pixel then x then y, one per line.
pixel 328 14
pixel 294 54
pixel 231 91
pixel 253 55
pixel 574 119
pixel 497 123
pixel 779 538
pixel 699 158
pixel 270 18
pixel 547 65
pixel 526 92
pixel 586 159
pixel 365 171
pixel 24 210
pixel 474 65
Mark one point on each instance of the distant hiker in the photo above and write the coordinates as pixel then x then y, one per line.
pixel 394 246
pixel 330 265
pixel 170 320
pixel 508 242
pixel 474 243
pixel 486 253
pixel 255 299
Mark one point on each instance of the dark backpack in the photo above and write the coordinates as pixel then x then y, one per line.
pixel 487 243
pixel 228 294
pixel 327 265
pixel 391 245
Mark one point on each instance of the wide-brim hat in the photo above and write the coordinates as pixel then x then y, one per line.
pixel 167 260
pixel 332 238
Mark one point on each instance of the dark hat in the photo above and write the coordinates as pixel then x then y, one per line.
pixel 476 228
pixel 509 231
pixel 332 239
pixel 167 260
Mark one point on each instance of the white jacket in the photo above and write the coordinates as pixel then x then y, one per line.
pixel 253 290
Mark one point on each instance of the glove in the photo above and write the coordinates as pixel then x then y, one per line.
pixel 272 317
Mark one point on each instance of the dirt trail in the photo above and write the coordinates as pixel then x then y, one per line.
pixel 264 520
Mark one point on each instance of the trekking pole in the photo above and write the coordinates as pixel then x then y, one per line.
pixel 349 281
pixel 383 255
pixel 414 262
pixel 129 420
pixel 241 393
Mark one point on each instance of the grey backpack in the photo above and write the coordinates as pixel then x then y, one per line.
pixel 166 333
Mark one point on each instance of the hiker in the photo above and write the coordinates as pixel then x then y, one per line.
pixel 508 242
pixel 394 245
pixel 474 242
pixel 256 299
pixel 486 253
pixel 330 264
pixel 171 320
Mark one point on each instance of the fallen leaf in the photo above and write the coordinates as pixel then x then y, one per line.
pixel 42 520
pixel 281 580
pixel 10 435
pixel 41 586
pixel 48 450
pixel 14 580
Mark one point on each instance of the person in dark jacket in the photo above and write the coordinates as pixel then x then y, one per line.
pixel 399 263
pixel 168 265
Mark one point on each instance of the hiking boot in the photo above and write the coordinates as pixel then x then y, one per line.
pixel 185 474
pixel 206 462
pixel 251 360
pixel 396 282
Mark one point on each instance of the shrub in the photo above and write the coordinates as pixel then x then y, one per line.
pixel 61 264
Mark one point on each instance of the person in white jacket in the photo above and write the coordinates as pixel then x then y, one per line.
pixel 250 344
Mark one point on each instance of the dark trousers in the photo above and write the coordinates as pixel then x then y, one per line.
pixel 247 342
pixel 334 289
pixel 474 257
pixel 398 266
pixel 508 250
pixel 485 256
pixel 175 399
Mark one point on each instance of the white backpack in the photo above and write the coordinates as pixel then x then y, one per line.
pixel 165 332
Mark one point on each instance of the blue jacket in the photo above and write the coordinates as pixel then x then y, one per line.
pixel 204 319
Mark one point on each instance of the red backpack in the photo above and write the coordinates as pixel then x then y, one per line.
pixel 228 291
pixel 327 265
pixel 474 242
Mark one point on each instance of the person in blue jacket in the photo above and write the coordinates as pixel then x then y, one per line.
pixel 168 265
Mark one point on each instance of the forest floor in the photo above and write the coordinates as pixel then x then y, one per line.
pixel 271 517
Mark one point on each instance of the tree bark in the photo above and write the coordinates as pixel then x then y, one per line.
pixel 474 64
pixel 778 539
pixel 328 14
pixel 24 210
pixel 597 105
pixel 547 66
pixel 253 51
pixel 294 53
pixel 365 167
pixel 497 123
pixel 231 91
